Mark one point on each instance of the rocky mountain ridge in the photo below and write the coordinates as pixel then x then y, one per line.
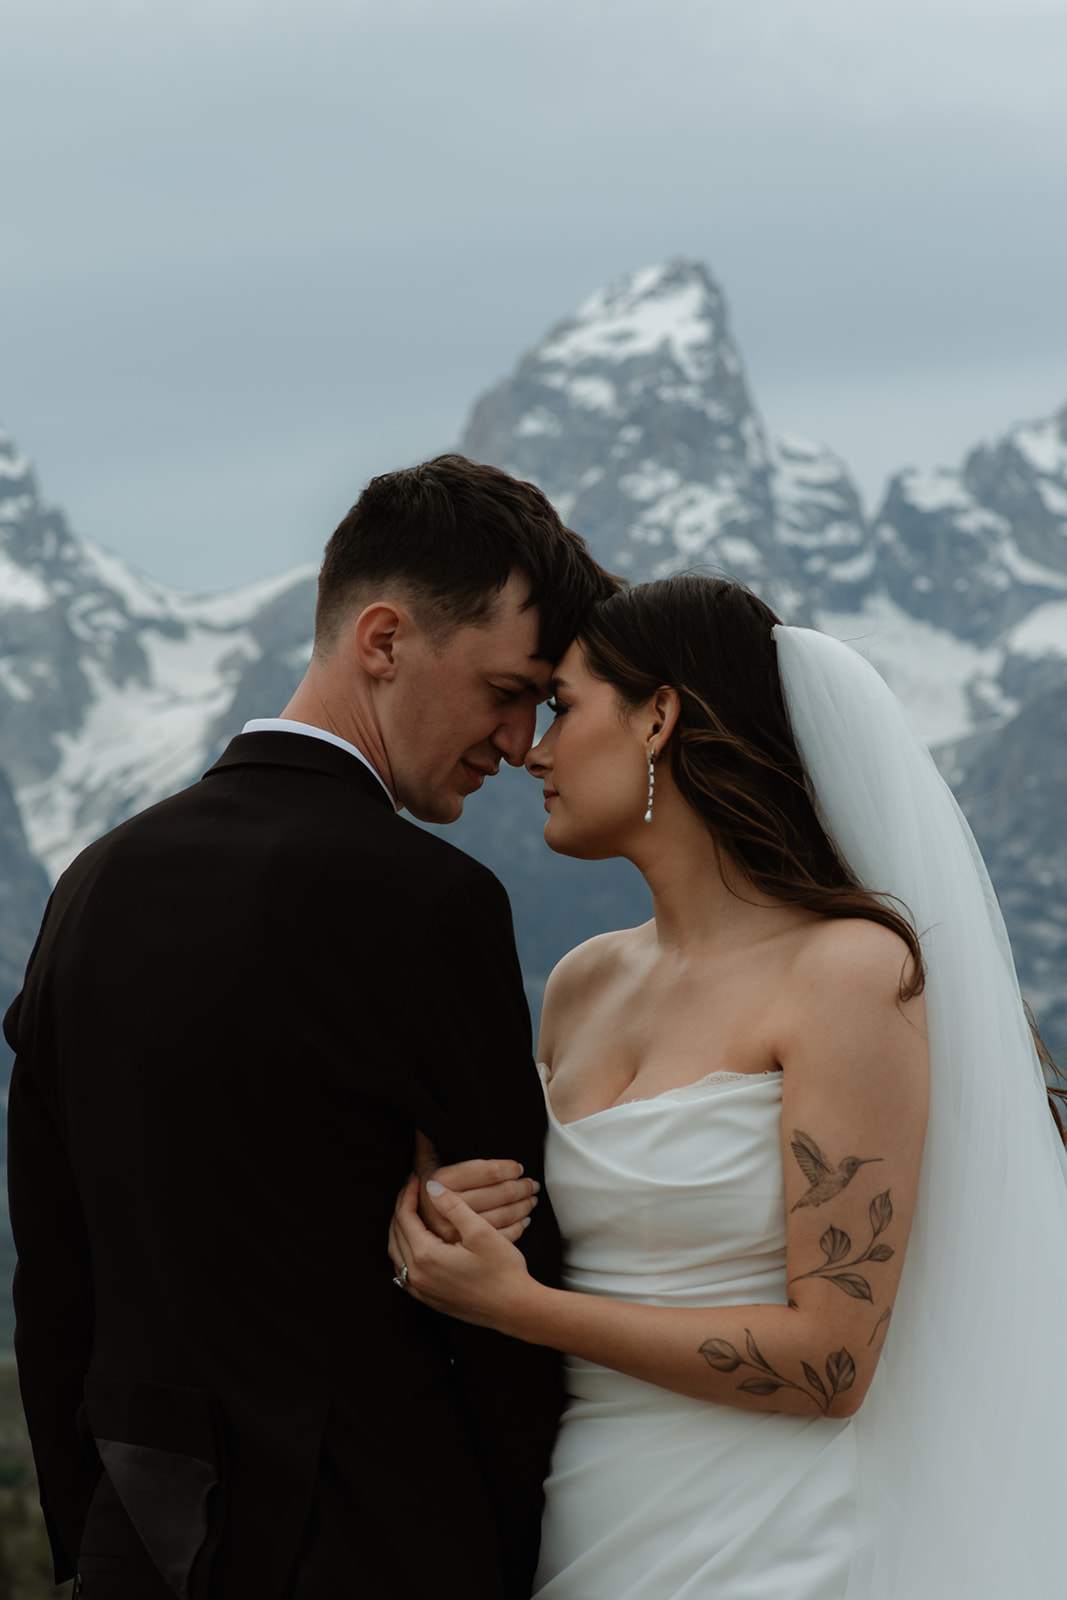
pixel 114 689
pixel 635 415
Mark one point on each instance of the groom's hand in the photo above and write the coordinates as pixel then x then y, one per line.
pixel 496 1190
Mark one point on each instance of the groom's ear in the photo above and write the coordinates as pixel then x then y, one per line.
pixel 374 637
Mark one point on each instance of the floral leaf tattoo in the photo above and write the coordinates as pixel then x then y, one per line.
pixel 720 1354
pixel 840 1371
pixel 754 1354
pixel 836 1245
pixel 882 1322
pixel 855 1286
pixel 880 1212
pixel 815 1381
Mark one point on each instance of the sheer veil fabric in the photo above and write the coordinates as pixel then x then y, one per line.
pixel 962 1439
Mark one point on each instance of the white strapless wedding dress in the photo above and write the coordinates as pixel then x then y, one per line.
pixel 680 1201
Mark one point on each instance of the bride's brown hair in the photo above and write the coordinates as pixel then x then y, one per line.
pixel 732 752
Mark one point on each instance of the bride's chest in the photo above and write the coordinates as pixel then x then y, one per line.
pixel 690 1176
pixel 677 1192
pixel 613 1069
pixel 635 1045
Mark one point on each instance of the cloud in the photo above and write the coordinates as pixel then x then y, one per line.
pixel 218 212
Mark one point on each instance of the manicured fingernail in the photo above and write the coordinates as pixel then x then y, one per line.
pixel 522 1170
pixel 526 1222
pixel 536 1187
pixel 533 1199
pixel 435 1188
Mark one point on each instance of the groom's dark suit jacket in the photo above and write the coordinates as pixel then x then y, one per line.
pixel 241 1004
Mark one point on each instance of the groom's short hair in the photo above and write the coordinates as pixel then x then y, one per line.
pixel 450 532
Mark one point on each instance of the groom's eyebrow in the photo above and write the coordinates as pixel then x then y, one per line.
pixel 521 681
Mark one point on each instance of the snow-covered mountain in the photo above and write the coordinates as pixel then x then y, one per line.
pixel 635 415
pixel 114 691
pixel 978 550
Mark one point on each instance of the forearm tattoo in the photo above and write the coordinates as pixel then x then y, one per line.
pixel 840 1371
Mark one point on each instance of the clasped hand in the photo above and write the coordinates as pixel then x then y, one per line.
pixel 496 1190
pixel 465 1263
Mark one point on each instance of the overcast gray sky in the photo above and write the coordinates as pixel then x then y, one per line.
pixel 255 250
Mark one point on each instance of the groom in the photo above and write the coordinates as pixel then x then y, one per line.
pixel 241 1006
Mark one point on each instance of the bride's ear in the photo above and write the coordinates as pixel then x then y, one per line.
pixel 661 717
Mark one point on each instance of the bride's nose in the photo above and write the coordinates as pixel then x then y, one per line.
pixel 537 763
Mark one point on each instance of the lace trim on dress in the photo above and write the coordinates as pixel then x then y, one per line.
pixel 685 1091
pixel 692 1091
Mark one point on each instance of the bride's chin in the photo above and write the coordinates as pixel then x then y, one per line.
pixel 566 843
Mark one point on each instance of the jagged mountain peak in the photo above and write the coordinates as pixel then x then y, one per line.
pixel 114 689
pixel 634 416
pixel 1023 478
pixel 659 336
pixel 977 548
pixel 14 467
pixel 1043 443
pixel 675 310
pixel 43 561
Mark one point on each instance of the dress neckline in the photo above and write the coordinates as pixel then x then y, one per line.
pixel 681 1092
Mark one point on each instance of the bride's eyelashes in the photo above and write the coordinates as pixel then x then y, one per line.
pixel 557 706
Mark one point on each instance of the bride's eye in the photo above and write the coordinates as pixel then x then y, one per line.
pixel 556 705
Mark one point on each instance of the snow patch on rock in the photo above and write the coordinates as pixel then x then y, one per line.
pixel 660 308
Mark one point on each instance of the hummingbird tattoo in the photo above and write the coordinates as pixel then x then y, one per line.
pixel 824 1180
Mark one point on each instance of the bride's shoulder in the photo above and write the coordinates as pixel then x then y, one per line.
pixel 590 967
pixel 846 1013
pixel 599 957
pixel 583 981
pixel 852 954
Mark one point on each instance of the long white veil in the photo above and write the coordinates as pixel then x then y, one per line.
pixel 962 1438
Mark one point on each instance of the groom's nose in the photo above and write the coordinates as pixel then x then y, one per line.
pixel 516 733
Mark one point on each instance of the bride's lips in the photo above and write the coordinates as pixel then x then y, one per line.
pixel 550 794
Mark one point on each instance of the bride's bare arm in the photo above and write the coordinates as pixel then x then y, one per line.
pixel 854 1102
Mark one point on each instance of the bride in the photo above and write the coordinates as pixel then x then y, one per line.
pixel 806 1360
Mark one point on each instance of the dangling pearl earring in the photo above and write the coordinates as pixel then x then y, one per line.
pixel 651 785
